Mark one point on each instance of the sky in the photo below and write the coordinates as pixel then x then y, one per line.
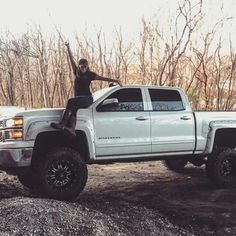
pixel 90 15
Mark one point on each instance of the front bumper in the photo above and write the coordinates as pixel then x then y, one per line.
pixel 17 157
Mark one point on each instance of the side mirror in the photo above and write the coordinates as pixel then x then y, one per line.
pixel 113 102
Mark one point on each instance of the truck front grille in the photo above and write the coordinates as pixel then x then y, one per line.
pixel 1 136
pixel 1 124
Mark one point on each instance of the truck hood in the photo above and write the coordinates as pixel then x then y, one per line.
pixel 10 110
pixel 45 112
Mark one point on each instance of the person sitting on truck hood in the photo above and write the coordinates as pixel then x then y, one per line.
pixel 83 96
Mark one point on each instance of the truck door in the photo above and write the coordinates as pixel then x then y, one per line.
pixel 172 123
pixel 125 128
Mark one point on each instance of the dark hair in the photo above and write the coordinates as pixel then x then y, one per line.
pixel 83 61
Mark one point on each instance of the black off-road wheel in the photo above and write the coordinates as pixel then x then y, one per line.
pixel 221 167
pixel 63 174
pixel 176 164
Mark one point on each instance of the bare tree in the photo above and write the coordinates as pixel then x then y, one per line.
pixel 35 70
pixel 192 20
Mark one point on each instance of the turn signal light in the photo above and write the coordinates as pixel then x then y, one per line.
pixel 16 134
pixel 13 134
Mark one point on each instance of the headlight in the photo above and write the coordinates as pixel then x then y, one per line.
pixel 14 134
pixel 14 122
pixel 13 129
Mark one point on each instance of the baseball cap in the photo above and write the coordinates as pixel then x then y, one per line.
pixel 83 61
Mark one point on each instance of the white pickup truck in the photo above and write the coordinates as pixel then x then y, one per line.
pixel 130 123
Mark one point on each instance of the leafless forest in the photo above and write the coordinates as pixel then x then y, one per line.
pixel 35 71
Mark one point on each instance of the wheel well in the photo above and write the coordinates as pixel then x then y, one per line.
pixel 50 139
pixel 225 138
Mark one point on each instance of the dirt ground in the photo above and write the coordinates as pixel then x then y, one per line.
pixel 187 200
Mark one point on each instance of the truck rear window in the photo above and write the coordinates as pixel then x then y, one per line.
pixel 166 100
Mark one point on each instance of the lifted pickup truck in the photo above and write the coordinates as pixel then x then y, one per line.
pixel 130 123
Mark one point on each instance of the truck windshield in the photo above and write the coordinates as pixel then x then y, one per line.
pixel 100 93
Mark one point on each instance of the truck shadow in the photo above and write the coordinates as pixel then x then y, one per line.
pixel 186 198
pixel 188 184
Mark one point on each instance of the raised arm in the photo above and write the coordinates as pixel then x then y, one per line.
pixel 108 79
pixel 73 64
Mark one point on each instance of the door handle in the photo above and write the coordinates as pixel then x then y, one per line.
pixel 141 118
pixel 185 118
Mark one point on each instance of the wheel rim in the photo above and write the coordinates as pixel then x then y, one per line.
pixel 61 175
pixel 227 168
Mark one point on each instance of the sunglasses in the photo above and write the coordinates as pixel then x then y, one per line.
pixel 84 67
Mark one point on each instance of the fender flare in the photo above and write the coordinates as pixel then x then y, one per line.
pixel 214 127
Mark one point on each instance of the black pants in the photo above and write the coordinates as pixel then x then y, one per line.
pixel 75 103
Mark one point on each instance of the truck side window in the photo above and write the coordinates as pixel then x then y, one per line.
pixel 166 100
pixel 130 99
